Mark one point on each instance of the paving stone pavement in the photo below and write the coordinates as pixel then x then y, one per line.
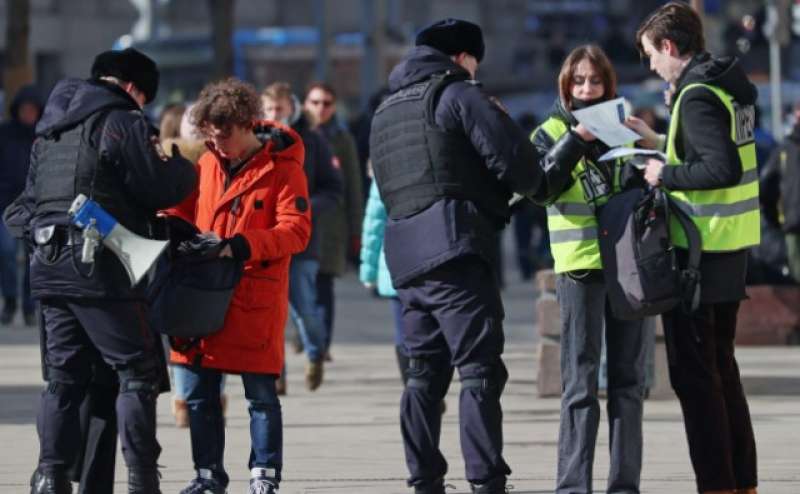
pixel 345 437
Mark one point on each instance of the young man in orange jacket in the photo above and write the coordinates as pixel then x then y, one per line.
pixel 253 196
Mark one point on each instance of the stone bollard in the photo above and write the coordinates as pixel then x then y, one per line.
pixel 548 381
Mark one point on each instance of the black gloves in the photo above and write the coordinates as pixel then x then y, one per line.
pixel 239 247
pixel 210 246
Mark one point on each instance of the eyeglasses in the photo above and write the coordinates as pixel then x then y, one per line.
pixel 324 102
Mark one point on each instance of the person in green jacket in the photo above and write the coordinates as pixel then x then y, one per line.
pixel 339 229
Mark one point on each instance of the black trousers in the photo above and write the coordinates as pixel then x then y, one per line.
pixel 95 462
pixel 705 376
pixel 453 317
pixel 81 337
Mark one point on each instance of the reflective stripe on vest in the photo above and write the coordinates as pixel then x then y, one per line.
pixel 728 218
pixel 571 219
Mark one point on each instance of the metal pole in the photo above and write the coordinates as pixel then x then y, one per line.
pixel 775 88
pixel 369 58
pixel 373 26
pixel 321 69
pixel 778 34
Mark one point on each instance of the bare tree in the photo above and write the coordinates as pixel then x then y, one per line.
pixel 18 70
pixel 221 13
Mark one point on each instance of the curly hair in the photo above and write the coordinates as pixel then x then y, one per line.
pixel 225 104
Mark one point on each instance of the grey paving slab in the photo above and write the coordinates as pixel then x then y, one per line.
pixel 345 437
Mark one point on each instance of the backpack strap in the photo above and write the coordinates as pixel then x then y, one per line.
pixel 690 277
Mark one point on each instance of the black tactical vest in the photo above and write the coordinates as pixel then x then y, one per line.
pixel 416 163
pixel 68 163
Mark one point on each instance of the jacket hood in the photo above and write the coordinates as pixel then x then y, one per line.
pixel 420 63
pixel 724 72
pixel 26 94
pixel 286 142
pixel 73 100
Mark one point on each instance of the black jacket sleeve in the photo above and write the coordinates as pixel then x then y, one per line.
pixel 711 159
pixel 505 148
pixel 558 160
pixel 770 185
pixel 153 179
pixel 328 184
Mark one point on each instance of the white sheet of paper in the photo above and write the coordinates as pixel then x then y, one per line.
pixel 604 121
pixel 622 152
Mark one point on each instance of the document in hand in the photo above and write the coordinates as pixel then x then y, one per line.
pixel 632 153
pixel 605 121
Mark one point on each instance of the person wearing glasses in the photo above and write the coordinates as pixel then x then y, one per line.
pixel 253 195
pixel 339 229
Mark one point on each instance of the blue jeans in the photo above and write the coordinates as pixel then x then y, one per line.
pixel 584 309
pixel 183 380
pixel 207 426
pixel 9 271
pixel 304 311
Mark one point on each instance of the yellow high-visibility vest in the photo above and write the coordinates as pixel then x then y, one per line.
pixel 728 218
pixel 571 219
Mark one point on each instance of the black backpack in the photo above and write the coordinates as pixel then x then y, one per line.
pixel 640 265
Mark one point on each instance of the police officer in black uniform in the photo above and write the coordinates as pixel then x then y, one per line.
pixel 93 139
pixel 446 159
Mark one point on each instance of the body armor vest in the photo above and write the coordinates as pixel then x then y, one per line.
pixel 416 163
pixel 69 163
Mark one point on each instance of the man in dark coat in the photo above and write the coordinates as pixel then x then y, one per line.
pixel 16 139
pixel 711 173
pixel 93 139
pixel 446 159
pixel 325 189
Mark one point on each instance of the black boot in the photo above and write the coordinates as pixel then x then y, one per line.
pixel 143 481
pixel 50 483
pixel 496 485
pixel 435 487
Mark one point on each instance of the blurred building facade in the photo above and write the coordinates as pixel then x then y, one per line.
pixel 526 39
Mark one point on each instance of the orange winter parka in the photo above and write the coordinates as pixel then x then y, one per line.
pixel 266 201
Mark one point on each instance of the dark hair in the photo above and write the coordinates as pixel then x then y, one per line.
pixel 677 22
pixel 324 86
pixel 225 104
pixel 601 63
pixel 170 121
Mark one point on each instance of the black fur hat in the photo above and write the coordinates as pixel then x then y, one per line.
pixel 129 65
pixel 453 36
